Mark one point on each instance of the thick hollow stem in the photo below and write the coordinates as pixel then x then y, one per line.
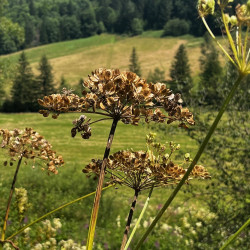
pixel 9 201
pixel 195 160
pixel 95 209
pixel 130 216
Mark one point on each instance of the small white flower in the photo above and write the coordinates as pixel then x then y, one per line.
pixel 198 224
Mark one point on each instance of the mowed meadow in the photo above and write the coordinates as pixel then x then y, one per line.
pixel 78 58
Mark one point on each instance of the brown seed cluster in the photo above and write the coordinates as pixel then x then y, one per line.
pixel 30 145
pixel 123 96
pixel 139 171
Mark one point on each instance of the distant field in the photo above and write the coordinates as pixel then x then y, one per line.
pixel 77 58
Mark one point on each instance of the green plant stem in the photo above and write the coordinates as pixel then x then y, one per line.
pixel 213 36
pixel 95 209
pixel 139 219
pixel 130 216
pixel 195 160
pixel 53 211
pixel 10 198
pixel 232 237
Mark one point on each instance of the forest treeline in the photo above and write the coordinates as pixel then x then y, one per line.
pixel 29 23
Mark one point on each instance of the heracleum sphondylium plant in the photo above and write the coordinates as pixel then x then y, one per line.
pixel 119 96
pixel 26 145
pixel 142 170
pixel 239 55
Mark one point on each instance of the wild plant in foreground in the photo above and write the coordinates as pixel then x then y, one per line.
pixel 26 145
pixel 239 56
pixel 119 96
pixel 141 170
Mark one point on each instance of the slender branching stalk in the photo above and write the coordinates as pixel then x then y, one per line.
pixel 95 209
pixel 10 242
pixel 195 160
pixel 233 237
pixel 10 198
pixel 139 219
pixel 52 212
pixel 130 216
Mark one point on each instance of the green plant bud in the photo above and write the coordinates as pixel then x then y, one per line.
pixel 187 156
pixel 166 156
pixel 206 7
pixel 178 146
pixel 227 18
pixel 233 20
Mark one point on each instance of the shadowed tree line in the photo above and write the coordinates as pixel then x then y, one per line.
pixel 27 88
pixel 31 22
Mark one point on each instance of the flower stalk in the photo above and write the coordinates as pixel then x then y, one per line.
pixel 97 199
pixel 9 200
pixel 139 219
pixel 130 216
pixel 195 160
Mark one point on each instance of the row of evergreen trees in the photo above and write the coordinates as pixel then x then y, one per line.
pixel 36 22
pixel 27 87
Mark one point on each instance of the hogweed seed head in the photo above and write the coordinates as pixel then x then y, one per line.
pixel 30 145
pixel 122 96
pixel 140 170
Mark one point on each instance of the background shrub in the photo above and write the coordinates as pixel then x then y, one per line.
pixel 176 27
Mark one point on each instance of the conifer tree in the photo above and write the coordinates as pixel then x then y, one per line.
pixel 211 73
pixel 45 79
pixel 134 65
pixel 24 91
pixel 157 75
pixel 180 73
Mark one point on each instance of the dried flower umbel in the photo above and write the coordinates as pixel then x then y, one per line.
pixel 140 170
pixel 27 145
pixel 120 96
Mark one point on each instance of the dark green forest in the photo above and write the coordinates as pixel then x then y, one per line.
pixel 29 23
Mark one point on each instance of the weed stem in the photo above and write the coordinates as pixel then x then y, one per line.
pixel 130 216
pixel 9 200
pixel 95 208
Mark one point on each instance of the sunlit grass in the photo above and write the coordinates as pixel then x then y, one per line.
pixel 48 192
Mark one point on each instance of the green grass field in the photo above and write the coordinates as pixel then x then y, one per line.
pixel 47 192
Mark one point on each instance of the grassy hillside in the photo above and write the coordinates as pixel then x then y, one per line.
pixel 77 58
pixel 47 192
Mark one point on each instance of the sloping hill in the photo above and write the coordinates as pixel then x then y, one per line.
pixel 77 58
